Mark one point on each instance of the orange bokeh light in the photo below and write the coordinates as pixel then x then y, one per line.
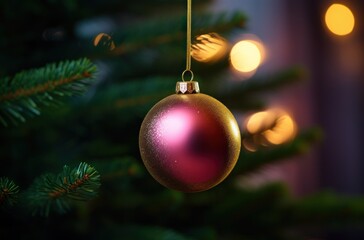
pixel 271 127
pixel 247 55
pixel 339 19
pixel 209 48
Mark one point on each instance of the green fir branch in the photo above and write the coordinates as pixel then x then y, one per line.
pixel 276 81
pixel 251 161
pixel 131 99
pixel 165 31
pixel 57 192
pixel 246 91
pixel 23 95
pixel 8 192
pixel 325 209
pixel 252 203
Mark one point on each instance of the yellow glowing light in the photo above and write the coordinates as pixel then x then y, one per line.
pixel 209 48
pixel 269 127
pixel 258 121
pixel 339 19
pixel 284 130
pixel 246 56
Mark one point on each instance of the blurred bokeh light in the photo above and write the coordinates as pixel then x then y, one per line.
pixel 246 55
pixel 209 47
pixel 271 127
pixel 339 19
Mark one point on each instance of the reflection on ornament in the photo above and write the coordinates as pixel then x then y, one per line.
pixel 209 48
pixel 272 127
pixel 189 141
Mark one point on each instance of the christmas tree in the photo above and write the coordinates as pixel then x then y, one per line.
pixel 76 83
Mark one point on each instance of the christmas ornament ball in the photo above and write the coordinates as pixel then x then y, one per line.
pixel 189 141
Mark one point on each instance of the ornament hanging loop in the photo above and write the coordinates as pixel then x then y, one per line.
pixel 184 75
pixel 188 50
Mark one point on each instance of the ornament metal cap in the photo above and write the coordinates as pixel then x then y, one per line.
pixel 189 87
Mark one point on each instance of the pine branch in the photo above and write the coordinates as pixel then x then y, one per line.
pixel 130 100
pixel 8 192
pixel 325 209
pixel 246 91
pixel 23 95
pixel 57 192
pixel 251 161
pixel 262 205
pixel 127 168
pixel 164 31
pixel 278 80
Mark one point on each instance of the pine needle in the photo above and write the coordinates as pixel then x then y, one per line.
pixel 58 192
pixel 8 192
pixel 23 95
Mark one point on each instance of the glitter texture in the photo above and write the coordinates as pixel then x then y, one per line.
pixel 189 142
